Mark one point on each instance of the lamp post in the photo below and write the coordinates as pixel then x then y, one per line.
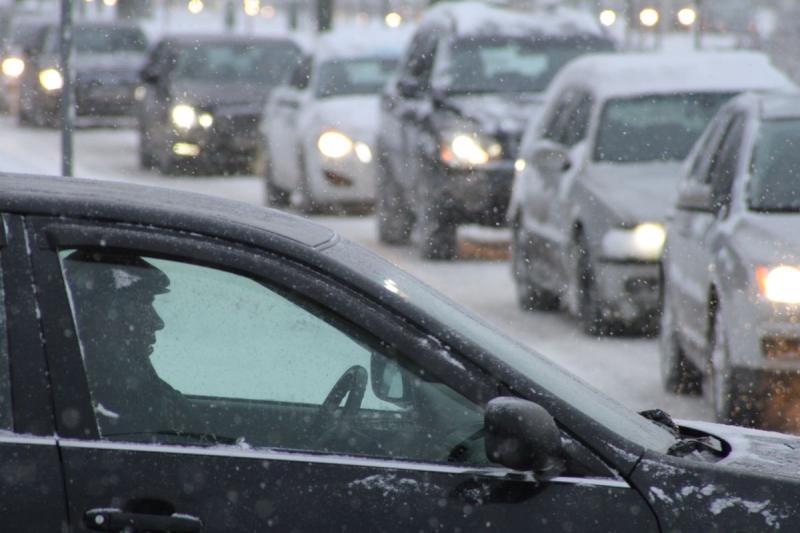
pixel 67 97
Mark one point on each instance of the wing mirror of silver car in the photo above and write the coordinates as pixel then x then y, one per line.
pixel 522 435
pixel 695 196
pixel 551 159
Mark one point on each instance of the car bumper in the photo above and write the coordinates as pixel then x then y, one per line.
pixel 228 140
pixel 629 292
pixel 105 101
pixel 343 181
pixel 477 196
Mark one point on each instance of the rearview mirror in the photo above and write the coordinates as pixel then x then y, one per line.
pixel 522 435
pixel 695 196
pixel 388 379
pixel 551 159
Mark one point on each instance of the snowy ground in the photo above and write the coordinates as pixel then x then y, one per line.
pixel 626 369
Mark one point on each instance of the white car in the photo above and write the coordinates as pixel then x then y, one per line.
pixel 319 127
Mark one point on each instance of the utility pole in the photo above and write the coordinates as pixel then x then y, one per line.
pixel 293 14
pixel 67 96
pixel 324 15
pixel 698 25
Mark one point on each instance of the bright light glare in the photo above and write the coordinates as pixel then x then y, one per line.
pixel 195 6
pixel 649 17
pixel 393 19
pixel 51 79
pixel 184 116
pixel 13 67
pixel 363 152
pixel 205 120
pixel 648 239
pixel 687 16
pixel 252 7
pixel 268 12
pixel 467 149
pixel 334 144
pixel 608 17
pixel 519 165
pixel 780 284
pixel 110 3
pixel 186 149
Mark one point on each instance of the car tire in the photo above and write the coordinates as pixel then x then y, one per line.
pixel 437 234
pixel 307 203
pixel 678 375
pixel 530 296
pixel 729 396
pixel 274 195
pixel 394 219
pixel 147 160
pixel 590 312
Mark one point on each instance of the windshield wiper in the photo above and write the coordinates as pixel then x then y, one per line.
pixel 685 444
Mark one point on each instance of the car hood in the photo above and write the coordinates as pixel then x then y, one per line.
pixel 755 451
pixel 109 62
pixel 635 192
pixel 769 238
pixel 355 115
pixel 212 95
pixel 508 113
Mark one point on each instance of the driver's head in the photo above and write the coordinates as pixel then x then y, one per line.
pixel 112 296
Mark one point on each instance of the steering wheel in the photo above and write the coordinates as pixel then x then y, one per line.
pixel 353 384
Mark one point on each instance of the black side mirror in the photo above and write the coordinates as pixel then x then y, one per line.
pixel 551 158
pixel 409 88
pixel 522 435
pixel 695 196
pixel 149 76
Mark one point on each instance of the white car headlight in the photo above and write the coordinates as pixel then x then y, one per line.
pixel 51 79
pixel 780 284
pixel 13 67
pixel 334 144
pixel 184 116
pixel 468 150
pixel 645 242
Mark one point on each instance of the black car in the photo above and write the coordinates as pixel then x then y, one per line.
pixel 173 362
pixel 203 97
pixel 453 115
pixel 107 60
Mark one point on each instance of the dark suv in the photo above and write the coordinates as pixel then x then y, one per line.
pixel 453 115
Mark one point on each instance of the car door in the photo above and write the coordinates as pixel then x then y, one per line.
pixel 212 376
pixel 282 136
pixel 691 261
pixel 31 483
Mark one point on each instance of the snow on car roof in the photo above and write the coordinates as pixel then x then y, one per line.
pixel 778 106
pixel 471 18
pixel 363 40
pixel 615 75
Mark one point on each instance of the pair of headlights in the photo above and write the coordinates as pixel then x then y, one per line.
pixel 186 117
pixel 336 145
pixel 13 67
pixel 465 150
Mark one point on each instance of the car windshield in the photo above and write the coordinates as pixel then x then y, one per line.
pixel 236 62
pixel 775 169
pixel 654 127
pixel 506 64
pixel 109 40
pixel 546 374
pixel 342 77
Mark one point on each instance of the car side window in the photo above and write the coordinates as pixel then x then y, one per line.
pixel 301 75
pixel 577 122
pixel 724 167
pixel 178 353
pixel 704 157
pixel 556 123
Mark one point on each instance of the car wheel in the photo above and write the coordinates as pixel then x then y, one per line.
pixel 437 234
pixel 166 163
pixel 530 296
pixel 732 402
pixel 590 313
pixel 306 203
pixel 147 160
pixel 394 218
pixel 678 375
pixel 275 196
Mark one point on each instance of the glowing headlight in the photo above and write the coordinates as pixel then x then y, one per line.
pixel 13 67
pixel 363 152
pixel 51 79
pixel 205 120
pixel 780 284
pixel 519 165
pixel 334 144
pixel 184 116
pixel 468 150
pixel 645 242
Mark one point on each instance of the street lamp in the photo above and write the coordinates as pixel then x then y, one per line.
pixel 608 17
pixel 649 17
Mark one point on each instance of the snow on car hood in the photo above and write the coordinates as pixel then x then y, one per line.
pixel 768 238
pixel 635 192
pixel 355 115
pixel 214 94
pixel 756 451
pixel 494 112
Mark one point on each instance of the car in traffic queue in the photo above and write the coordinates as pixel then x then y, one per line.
pixel 453 114
pixel 176 362
pixel 732 266
pixel 598 173
pixel 319 128
pixel 202 97
pixel 107 59
pixel 23 40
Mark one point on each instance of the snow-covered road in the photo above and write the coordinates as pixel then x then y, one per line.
pixel 624 368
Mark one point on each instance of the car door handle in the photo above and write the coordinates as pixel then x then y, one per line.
pixel 118 520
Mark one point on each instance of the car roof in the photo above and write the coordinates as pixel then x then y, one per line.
pixel 159 207
pixel 347 42
pixel 778 106
pixel 633 74
pixel 190 39
pixel 471 18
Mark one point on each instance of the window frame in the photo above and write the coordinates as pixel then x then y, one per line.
pixel 345 304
